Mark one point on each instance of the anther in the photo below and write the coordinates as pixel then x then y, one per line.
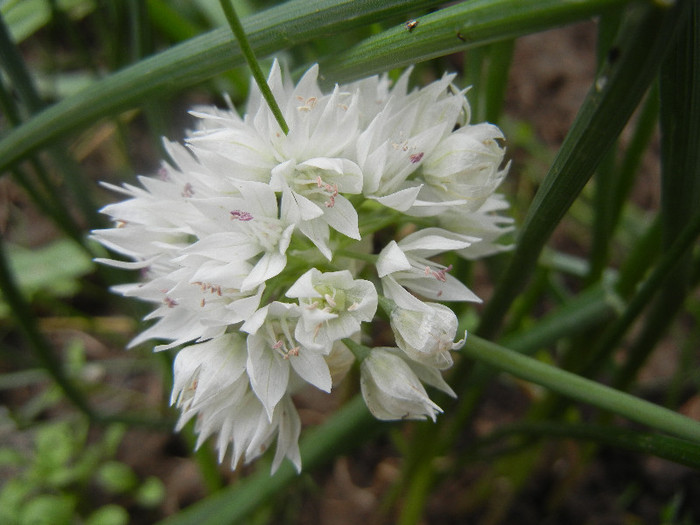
pixel 240 215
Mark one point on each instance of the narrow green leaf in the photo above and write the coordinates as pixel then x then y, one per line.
pixel 581 389
pixel 673 449
pixel 680 138
pixel 37 342
pixel 249 55
pixel 194 61
pixel 664 272
pixel 645 38
pixel 455 28
pixel 343 431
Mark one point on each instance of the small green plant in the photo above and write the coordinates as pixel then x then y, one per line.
pixel 56 478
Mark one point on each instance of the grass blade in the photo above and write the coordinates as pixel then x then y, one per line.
pixel 195 61
pixel 581 389
pixel 646 37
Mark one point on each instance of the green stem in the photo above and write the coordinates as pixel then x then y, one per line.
pixel 249 56
pixel 345 430
pixel 359 351
pixel 645 38
pixel 666 447
pixel 651 286
pixel 581 389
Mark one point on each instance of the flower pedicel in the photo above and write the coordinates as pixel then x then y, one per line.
pixel 256 249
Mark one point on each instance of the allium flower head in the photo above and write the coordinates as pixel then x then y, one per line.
pixel 256 249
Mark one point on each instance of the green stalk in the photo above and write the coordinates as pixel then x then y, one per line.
pixel 194 61
pixel 641 257
pixel 249 55
pixel 496 81
pixel 641 137
pixel 455 28
pixel 645 38
pixel 344 431
pixel 581 389
pixel 602 217
pixel 673 449
pixel 666 270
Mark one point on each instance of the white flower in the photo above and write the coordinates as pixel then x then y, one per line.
pixel 426 333
pixel 485 223
pixel 237 229
pixel 392 390
pixel 210 384
pixel 405 132
pixel 332 305
pixel 246 214
pixel 274 352
pixel 462 171
pixel 312 199
pixel 406 263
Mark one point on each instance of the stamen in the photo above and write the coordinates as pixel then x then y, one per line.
pixel 188 190
pixel 330 189
pixel 330 300
pixel 415 157
pixel 440 275
pixel 240 215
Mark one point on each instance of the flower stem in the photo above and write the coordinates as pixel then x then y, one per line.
pixel 237 29
pixel 582 389
pixel 359 351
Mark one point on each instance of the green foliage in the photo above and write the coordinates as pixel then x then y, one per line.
pixel 38 272
pixel 51 480
pixel 121 70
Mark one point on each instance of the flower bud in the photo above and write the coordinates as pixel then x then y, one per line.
pixel 426 335
pixel 392 390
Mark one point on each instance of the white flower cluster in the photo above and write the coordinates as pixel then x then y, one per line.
pixel 252 244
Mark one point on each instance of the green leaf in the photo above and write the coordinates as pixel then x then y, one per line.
pixel 194 61
pixel 582 389
pixel 54 269
pixel 108 515
pixel 116 477
pixel 25 17
pixel 645 38
pixel 48 509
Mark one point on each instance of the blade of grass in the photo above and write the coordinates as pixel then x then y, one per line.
pixel 343 431
pixel 673 449
pixel 646 37
pixel 455 28
pixel 679 85
pixel 249 55
pixel 194 61
pixel 581 389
